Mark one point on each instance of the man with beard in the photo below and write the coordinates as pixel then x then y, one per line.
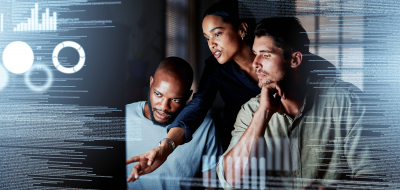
pixel 302 130
pixel 146 124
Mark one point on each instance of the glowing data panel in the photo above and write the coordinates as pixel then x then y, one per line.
pixel 32 24
pixel 3 77
pixel 18 57
pixel 78 48
pixel 1 23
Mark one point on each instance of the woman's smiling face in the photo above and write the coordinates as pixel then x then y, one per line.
pixel 223 40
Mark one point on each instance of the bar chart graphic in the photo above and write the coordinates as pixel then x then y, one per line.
pixel 32 24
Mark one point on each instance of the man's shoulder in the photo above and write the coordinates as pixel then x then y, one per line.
pixel 337 93
pixel 251 105
pixel 208 120
pixel 135 105
pixel 207 125
pixel 133 109
pixel 246 113
pixel 335 86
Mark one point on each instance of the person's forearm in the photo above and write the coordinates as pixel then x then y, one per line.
pixel 247 145
pixel 177 135
pixel 192 116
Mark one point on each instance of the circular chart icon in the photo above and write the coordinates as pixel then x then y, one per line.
pixel 78 48
pixel 46 85
pixel 18 57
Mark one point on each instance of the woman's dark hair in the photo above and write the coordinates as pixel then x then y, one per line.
pixel 287 34
pixel 229 12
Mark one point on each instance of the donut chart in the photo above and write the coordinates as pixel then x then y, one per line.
pixel 43 87
pixel 78 48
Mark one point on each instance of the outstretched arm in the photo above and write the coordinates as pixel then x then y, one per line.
pixel 192 116
pixel 151 160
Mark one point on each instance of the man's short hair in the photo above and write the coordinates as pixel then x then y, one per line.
pixel 178 68
pixel 287 34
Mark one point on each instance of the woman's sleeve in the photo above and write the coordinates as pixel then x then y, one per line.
pixel 194 113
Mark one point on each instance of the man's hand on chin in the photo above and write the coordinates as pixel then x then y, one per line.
pixel 270 98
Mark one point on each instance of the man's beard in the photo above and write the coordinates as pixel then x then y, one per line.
pixel 260 82
pixel 172 115
pixel 283 81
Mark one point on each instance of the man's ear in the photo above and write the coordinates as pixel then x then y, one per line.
pixel 297 58
pixel 151 81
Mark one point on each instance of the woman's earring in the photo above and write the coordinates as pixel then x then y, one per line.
pixel 244 36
